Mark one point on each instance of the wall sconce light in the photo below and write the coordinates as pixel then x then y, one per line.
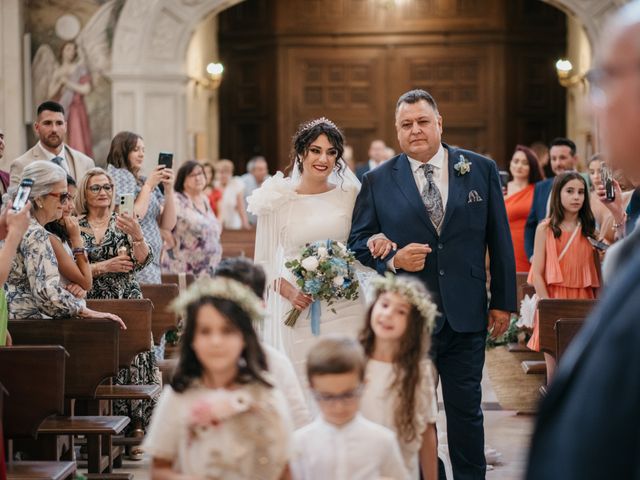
pixel 213 78
pixel 566 77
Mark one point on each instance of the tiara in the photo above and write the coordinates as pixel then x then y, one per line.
pixel 309 125
pixel 406 288
pixel 224 288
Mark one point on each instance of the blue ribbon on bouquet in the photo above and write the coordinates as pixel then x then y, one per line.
pixel 315 317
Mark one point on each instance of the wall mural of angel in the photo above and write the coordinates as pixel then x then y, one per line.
pixel 72 76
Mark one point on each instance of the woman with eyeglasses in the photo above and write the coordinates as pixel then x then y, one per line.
pixel 117 250
pixel 194 246
pixel 115 244
pixel 34 289
pixel 154 208
pixel 73 264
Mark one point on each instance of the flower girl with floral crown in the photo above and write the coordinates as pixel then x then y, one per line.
pixel 400 390
pixel 220 418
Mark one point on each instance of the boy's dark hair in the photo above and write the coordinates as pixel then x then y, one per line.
pixel 244 271
pixel 561 141
pixel 51 106
pixel 334 355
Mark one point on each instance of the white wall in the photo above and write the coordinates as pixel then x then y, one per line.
pixel 202 103
pixel 11 83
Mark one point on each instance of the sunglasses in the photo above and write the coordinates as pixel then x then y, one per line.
pixel 63 197
pixel 95 189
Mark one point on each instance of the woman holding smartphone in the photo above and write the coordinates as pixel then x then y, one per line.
pixel 117 250
pixel 153 209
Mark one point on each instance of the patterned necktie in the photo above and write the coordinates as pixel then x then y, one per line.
pixel 61 163
pixel 431 196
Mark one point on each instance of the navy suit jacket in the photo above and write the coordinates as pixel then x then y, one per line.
pixel 389 202
pixel 588 426
pixel 537 213
pixel 361 170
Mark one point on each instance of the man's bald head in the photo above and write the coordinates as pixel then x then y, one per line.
pixel 615 86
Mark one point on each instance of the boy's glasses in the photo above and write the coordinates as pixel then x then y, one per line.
pixel 95 189
pixel 345 397
pixel 62 196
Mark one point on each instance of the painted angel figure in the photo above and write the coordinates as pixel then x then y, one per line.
pixel 84 58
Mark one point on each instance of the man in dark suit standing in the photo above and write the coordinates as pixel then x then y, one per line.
pixel 588 426
pixel 562 157
pixel 443 207
pixel 377 156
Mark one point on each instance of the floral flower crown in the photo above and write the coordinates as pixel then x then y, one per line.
pixel 408 289
pixel 224 288
pixel 309 125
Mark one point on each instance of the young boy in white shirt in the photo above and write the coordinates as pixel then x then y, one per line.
pixel 341 444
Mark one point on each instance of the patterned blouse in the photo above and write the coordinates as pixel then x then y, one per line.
pixel 197 238
pixel 33 288
pixel 126 183
pixel 113 285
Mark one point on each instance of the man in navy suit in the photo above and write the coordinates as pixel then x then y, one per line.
pixel 588 426
pixel 443 207
pixel 562 157
pixel 377 156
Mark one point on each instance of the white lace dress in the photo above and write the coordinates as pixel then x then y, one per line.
pixel 286 222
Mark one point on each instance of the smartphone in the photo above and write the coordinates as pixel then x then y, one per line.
pixel 598 245
pixel 606 176
pixel 165 159
pixel 504 178
pixel 23 194
pixel 125 205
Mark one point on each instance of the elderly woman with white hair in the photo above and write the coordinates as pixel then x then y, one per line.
pixel 34 289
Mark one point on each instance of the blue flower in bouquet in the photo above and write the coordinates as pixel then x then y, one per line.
pixel 313 286
pixel 339 266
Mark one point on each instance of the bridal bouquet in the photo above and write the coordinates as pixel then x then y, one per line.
pixel 325 271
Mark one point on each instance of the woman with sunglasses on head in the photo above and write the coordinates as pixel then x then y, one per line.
pixel 34 289
pixel 115 244
pixel 73 264
pixel 117 250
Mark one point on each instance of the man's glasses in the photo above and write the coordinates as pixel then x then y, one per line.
pixel 95 189
pixel 345 397
pixel 63 197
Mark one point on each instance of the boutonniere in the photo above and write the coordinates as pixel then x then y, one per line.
pixel 463 166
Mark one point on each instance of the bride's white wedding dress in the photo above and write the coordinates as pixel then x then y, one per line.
pixel 286 222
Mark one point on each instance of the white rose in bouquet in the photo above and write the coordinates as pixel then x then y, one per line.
pixel 338 281
pixel 310 264
pixel 323 252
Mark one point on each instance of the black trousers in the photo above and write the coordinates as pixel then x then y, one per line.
pixel 459 358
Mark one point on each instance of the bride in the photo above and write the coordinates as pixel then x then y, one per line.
pixel 315 204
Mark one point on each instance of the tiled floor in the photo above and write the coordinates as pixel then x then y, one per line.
pixel 505 431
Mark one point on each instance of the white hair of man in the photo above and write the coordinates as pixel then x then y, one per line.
pixel 44 175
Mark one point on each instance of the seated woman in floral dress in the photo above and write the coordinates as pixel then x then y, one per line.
pixel 117 249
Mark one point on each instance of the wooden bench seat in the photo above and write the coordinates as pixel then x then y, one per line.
pixel 534 367
pixel 238 243
pixel 183 280
pixel 127 392
pixel 566 331
pixel 40 470
pixel 161 295
pixel 550 311
pixel 85 425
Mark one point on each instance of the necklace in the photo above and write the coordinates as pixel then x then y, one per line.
pixel 98 224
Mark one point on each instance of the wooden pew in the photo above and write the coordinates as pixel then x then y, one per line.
pixel 161 296
pixel 238 243
pixel 92 345
pixel 550 311
pixel 566 331
pixel 183 280
pixel 136 339
pixel 35 375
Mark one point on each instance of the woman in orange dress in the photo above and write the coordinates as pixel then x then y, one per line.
pixel 524 173
pixel 563 261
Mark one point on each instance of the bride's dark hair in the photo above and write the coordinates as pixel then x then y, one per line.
pixel 307 134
